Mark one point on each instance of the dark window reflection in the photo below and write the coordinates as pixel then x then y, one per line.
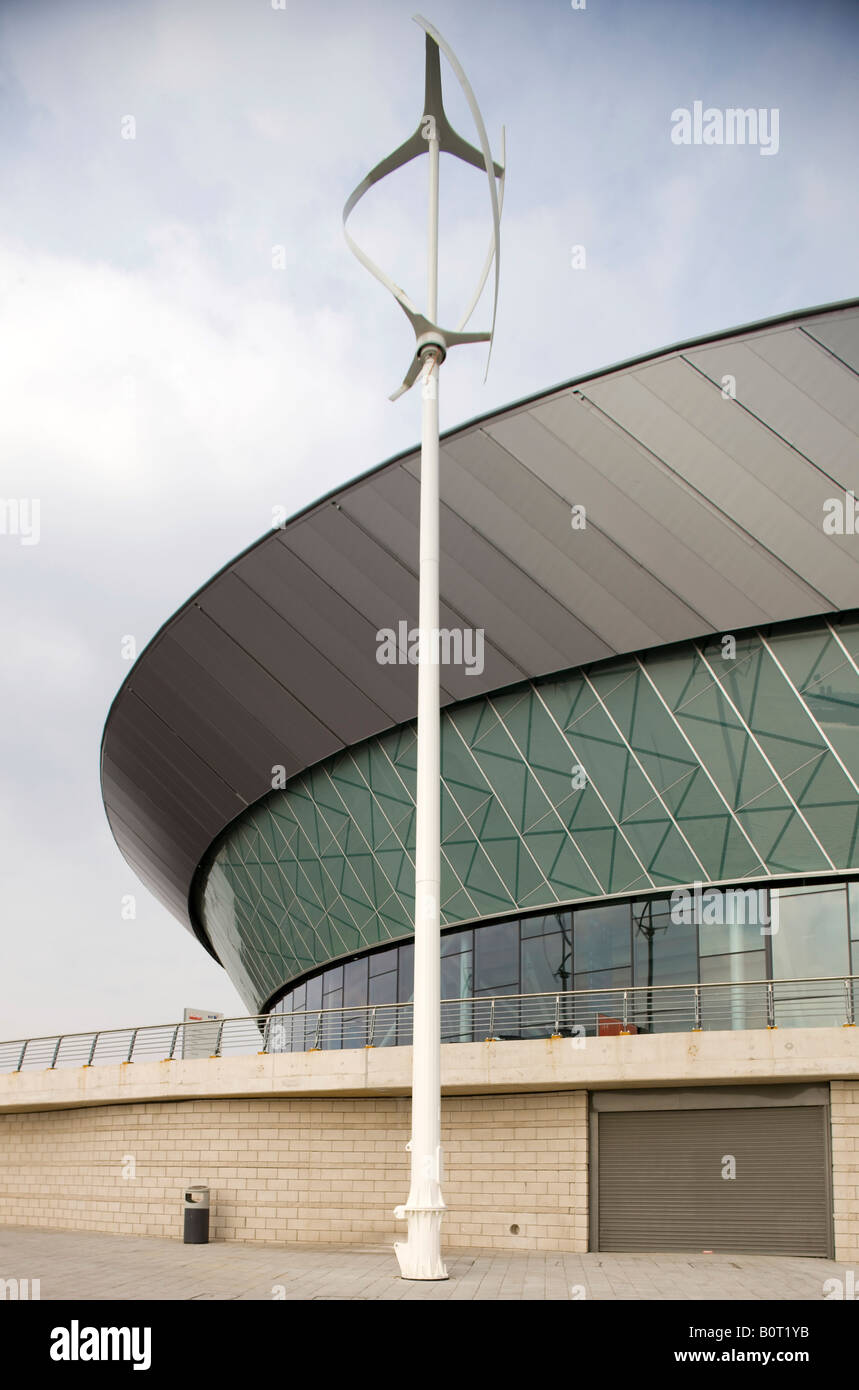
pixel 383 988
pixel 383 961
pixel 454 942
pixel 597 952
pixel 407 972
pixel 496 957
pixel 547 963
pixel 545 926
pixel 355 982
pixel 457 977
pixel 602 937
pixel 664 953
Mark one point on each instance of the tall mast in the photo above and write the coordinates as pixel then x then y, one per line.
pixel 420 1255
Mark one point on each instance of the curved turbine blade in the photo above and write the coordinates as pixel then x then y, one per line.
pixel 487 157
pixel 491 252
pixel 452 143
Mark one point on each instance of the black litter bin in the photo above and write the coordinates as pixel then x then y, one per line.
pixel 196 1209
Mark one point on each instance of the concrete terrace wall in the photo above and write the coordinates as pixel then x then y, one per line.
pixel 546 1064
pixel 326 1170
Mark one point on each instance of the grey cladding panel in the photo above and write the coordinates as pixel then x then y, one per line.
pixel 243 673
pixel 839 336
pixel 325 617
pixel 205 718
pixel 790 413
pixel 330 703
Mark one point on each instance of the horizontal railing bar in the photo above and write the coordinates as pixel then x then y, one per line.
pixel 464 999
pixel 311 1027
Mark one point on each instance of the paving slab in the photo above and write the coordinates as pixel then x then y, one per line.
pixel 87 1265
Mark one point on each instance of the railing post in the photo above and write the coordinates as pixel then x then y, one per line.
pixel 265 1033
pixel 848 1001
pixel 491 1037
pixel 625 1028
pixel 371 1028
pixel 697 1026
pixel 557 1029
pixel 318 1036
pixel 131 1044
pixel 771 1023
pixel 217 1051
pixel 173 1042
pixel 88 1062
pixel 56 1054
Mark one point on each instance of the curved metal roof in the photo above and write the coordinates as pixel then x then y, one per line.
pixel 704 514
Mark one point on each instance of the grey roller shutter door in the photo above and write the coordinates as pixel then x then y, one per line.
pixel 661 1184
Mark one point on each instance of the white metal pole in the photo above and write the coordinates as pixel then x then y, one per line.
pixel 420 1255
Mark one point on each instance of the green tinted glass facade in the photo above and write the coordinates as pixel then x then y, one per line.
pixel 691 763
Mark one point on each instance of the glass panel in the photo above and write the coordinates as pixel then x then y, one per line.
pixel 383 988
pixel 332 998
pixel 812 932
pixel 454 942
pixel 456 976
pixel 355 983
pixel 547 963
pixel 332 1024
pixel 603 979
pixel 383 961
pixel 332 979
pixel 665 953
pixel 545 926
pixel 811 941
pixel 734 1008
pixel 853 896
pixel 406 986
pixel 731 920
pixel 602 937
pixel 313 998
pixel 354 996
pixel 496 956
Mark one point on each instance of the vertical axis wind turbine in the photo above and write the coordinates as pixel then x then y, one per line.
pixel 420 1255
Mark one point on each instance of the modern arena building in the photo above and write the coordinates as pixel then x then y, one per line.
pixel 650 819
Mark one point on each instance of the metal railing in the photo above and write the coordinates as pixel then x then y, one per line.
pixel 824 1001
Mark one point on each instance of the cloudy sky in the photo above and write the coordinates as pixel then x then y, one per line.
pixel 187 343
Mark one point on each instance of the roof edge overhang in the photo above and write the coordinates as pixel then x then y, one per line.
pixel 495 415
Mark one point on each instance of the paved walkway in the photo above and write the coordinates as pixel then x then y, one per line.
pixel 86 1265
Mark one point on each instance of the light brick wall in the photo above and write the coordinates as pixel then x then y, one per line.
pixel 327 1170
pixel 844 1103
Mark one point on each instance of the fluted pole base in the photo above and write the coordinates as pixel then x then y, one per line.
pixel 419 1256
